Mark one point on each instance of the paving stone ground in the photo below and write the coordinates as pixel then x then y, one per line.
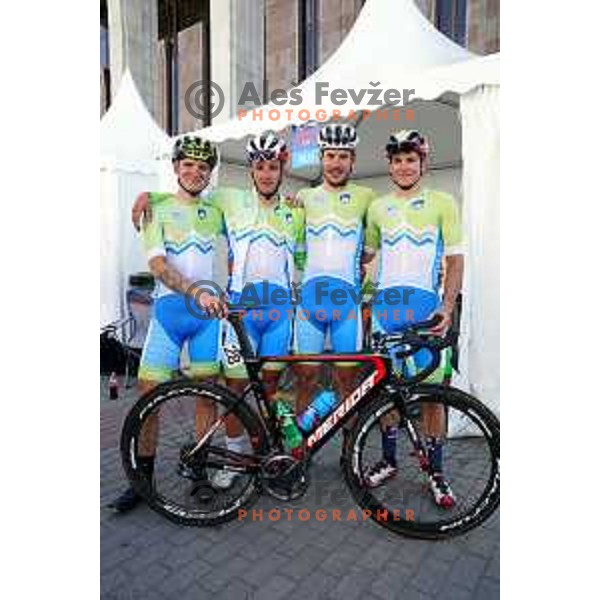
pixel 146 557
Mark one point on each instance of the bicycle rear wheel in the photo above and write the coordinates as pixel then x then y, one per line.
pixel 169 422
pixel 471 463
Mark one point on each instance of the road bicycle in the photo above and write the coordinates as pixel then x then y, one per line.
pixel 188 419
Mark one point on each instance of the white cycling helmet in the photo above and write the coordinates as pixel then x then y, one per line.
pixel 267 146
pixel 338 137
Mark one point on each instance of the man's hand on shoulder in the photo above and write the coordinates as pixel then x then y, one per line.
pixel 141 207
pixel 293 200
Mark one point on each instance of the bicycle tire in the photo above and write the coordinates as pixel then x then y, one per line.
pixel 158 398
pixel 463 406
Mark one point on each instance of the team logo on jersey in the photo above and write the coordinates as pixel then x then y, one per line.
pixel 202 214
pixel 288 219
pixel 417 204
pixel 344 197
pixel 392 210
pixel 177 216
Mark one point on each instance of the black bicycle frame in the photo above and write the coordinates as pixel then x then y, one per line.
pixel 371 385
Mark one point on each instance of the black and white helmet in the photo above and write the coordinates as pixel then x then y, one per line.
pixel 267 146
pixel 406 141
pixel 338 137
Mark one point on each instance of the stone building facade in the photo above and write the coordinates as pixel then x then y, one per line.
pixel 170 44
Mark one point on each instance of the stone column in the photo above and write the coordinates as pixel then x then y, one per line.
pixel 133 31
pixel 283 43
pixel 336 19
pixel 483 19
pixel 236 49
pixel 190 72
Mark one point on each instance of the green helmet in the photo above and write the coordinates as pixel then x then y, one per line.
pixel 191 146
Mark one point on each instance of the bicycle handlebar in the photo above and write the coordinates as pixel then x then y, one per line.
pixel 413 339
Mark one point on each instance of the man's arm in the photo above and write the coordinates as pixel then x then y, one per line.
pixel 453 280
pixel 453 276
pixel 169 275
pixel 152 235
pixel 142 207
pixel 174 280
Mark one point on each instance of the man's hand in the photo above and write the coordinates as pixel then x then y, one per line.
pixel 141 207
pixel 442 327
pixel 293 201
pixel 214 306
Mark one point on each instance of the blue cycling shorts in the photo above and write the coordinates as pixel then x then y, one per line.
pixel 171 326
pixel 268 327
pixel 328 307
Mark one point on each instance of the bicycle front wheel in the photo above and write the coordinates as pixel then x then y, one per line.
pixel 198 478
pixel 401 499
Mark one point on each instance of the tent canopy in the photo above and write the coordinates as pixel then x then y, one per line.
pixel 394 46
pixel 127 130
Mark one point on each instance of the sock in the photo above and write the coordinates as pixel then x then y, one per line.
pixel 238 444
pixel 389 436
pixel 434 453
pixel 147 466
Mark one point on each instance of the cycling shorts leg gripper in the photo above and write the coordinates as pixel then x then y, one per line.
pixel 160 356
pixel 204 349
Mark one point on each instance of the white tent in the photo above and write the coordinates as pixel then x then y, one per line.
pixel 131 145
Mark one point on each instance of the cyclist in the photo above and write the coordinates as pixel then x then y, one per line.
pixel 413 229
pixel 179 239
pixel 264 235
pixel 335 213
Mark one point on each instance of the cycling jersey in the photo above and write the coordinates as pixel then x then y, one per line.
pixel 185 232
pixel 334 230
pixel 330 287
pixel 413 234
pixel 263 240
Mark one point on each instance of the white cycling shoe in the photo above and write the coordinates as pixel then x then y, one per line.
pixel 223 479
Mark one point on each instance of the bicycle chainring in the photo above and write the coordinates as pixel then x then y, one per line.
pixel 284 477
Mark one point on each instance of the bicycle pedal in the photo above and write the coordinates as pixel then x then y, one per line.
pixel 203 492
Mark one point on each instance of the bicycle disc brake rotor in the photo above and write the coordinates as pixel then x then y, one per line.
pixel 284 477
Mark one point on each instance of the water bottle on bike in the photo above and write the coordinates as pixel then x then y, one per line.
pixel 320 407
pixel 291 434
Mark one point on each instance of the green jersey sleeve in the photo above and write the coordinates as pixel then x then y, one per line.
pixel 299 238
pixel 157 197
pixel 372 230
pixel 451 226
